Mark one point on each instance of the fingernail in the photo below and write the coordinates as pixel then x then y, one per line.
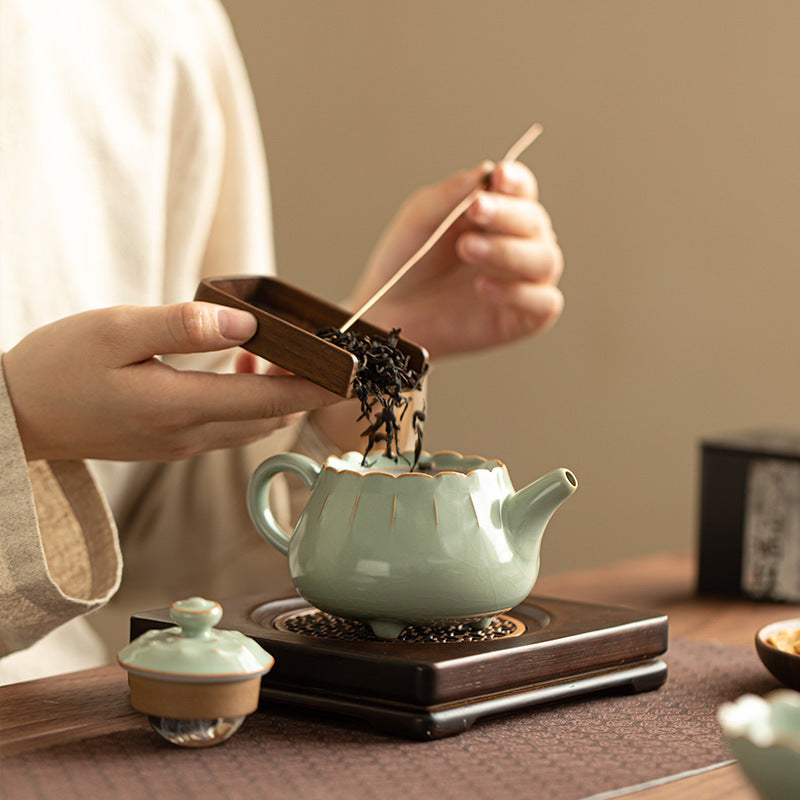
pixel 487 169
pixel 500 181
pixel 236 325
pixel 482 210
pixel 475 247
pixel 510 177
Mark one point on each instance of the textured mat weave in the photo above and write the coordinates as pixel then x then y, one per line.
pixel 572 749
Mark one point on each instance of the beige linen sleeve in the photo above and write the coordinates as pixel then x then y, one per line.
pixel 59 555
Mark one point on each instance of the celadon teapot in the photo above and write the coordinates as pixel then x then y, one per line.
pixel 449 543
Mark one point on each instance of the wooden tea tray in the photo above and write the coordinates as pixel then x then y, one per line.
pixel 288 320
pixel 430 689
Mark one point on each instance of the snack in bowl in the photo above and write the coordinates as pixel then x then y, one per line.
pixel 776 645
pixel 786 639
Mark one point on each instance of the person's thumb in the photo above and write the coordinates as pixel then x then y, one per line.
pixel 137 333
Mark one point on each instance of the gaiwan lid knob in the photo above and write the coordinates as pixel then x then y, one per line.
pixel 195 650
pixel 195 616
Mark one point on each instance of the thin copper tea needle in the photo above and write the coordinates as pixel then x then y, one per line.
pixel 524 141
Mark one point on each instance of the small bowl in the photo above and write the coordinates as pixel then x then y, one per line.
pixel 784 666
pixel 764 736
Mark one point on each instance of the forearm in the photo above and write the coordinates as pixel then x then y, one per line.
pixel 59 556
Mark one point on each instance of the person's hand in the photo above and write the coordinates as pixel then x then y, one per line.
pixel 90 386
pixel 489 280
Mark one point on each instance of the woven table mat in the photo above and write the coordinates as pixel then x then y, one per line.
pixel 571 749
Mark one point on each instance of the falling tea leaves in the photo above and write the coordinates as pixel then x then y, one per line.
pixel 382 380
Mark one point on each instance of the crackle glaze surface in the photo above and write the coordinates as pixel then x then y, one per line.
pixel 451 543
pixel 195 649
pixel 764 735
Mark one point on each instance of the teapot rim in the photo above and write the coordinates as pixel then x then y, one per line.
pixel 489 464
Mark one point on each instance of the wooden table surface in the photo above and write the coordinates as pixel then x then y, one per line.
pixel 667 583
pixel 40 714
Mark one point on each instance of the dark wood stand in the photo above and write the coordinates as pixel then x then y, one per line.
pixel 430 689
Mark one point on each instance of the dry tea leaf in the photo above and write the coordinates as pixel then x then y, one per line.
pixel 383 379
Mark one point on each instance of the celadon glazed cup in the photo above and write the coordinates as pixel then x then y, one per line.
pixel 764 735
pixel 449 543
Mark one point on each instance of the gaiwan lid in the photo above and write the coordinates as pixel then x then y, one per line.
pixel 195 650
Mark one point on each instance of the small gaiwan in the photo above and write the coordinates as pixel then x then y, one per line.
pixel 195 683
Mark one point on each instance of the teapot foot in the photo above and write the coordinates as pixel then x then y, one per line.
pixel 481 624
pixel 386 628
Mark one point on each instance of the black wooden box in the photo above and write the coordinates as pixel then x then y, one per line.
pixel 750 516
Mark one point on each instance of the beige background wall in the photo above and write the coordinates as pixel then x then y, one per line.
pixel 670 166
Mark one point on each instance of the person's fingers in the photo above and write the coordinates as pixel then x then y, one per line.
pixel 427 207
pixel 247 362
pixel 513 257
pixel 223 435
pixel 498 213
pixel 136 333
pixel 527 308
pixel 172 444
pixel 513 178
pixel 192 398
pixel 274 369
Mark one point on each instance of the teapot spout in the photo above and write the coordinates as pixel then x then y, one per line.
pixel 527 512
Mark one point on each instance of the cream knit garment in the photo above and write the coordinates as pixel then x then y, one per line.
pixel 131 164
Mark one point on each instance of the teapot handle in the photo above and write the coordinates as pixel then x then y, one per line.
pixel 258 493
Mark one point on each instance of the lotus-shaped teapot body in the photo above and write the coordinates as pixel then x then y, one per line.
pixel 451 542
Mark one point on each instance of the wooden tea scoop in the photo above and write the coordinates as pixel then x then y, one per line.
pixel 288 319
pixel 287 324
pixel 525 141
